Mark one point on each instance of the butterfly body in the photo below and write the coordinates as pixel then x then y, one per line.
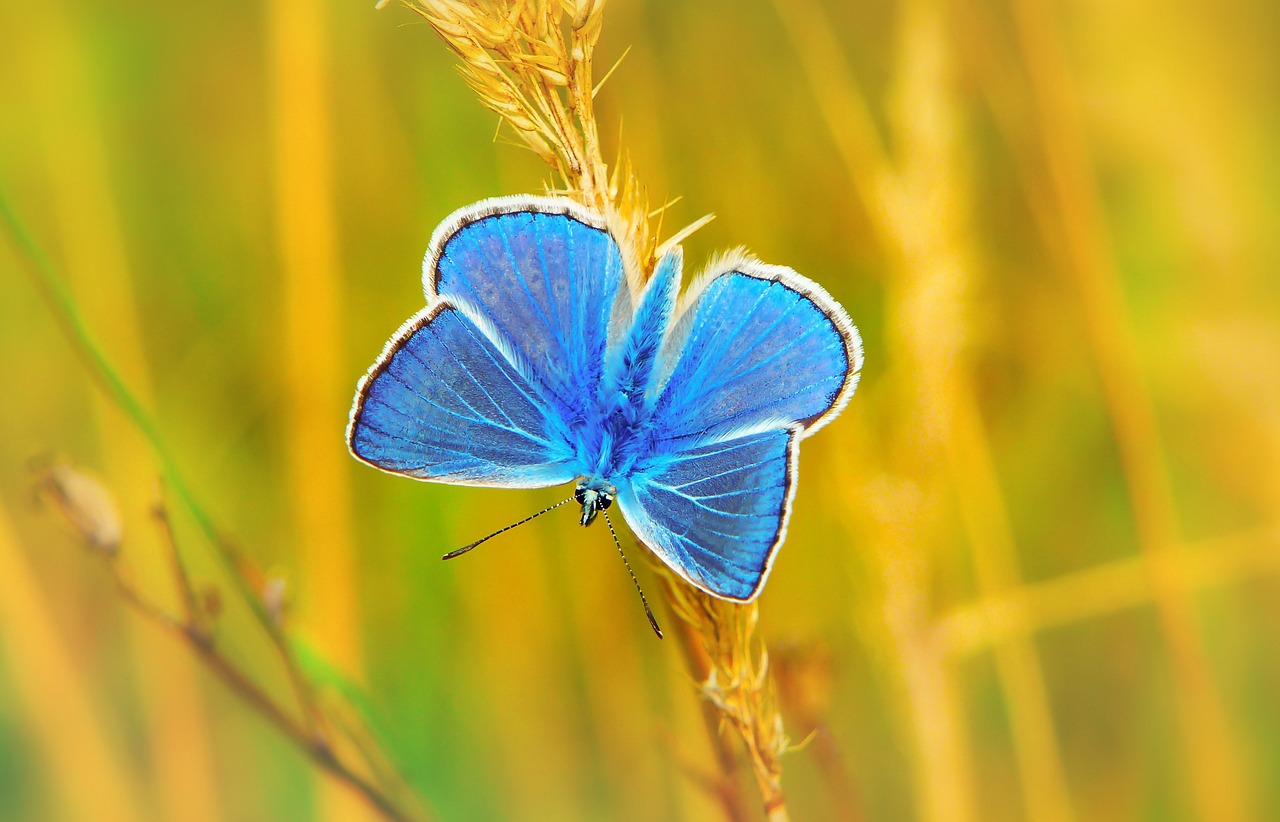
pixel 540 360
pixel 615 432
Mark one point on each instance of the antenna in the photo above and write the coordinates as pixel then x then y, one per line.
pixel 469 546
pixel 652 622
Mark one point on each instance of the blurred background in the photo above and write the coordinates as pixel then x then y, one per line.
pixel 1033 571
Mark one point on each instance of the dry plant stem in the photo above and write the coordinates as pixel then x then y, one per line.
pixel 192 633
pixel 515 56
pixel 734 679
pixel 307 733
pixel 725 787
pixel 384 771
pixel 1092 593
pixel 193 615
pixel 62 304
pixel 249 692
pixel 835 772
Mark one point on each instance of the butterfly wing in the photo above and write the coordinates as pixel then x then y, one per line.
pixel 717 513
pixel 490 385
pixel 444 403
pixel 756 346
pixel 759 358
pixel 545 277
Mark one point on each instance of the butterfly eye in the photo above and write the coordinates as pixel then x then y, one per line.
pixel 580 495
pixel 604 500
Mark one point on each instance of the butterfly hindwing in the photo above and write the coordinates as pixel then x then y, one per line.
pixel 759 357
pixel 716 513
pixel 756 346
pixel 544 276
pixel 443 403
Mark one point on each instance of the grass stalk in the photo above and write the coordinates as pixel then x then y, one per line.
pixel 732 670
pixel 87 216
pixel 530 61
pixel 316 383
pixel 85 512
pixel 62 305
pixel 1213 763
pixel 1105 590
pixel 306 725
pixel 931 277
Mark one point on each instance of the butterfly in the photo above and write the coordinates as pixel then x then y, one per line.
pixel 540 359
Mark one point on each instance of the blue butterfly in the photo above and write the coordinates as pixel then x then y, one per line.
pixel 541 360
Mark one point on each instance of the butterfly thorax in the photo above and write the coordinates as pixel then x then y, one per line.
pixel 616 431
pixel 615 437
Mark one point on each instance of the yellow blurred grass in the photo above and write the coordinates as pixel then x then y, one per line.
pixel 317 386
pixel 1212 761
pixel 917 210
pixel 920 232
pixel 58 702
pixel 84 201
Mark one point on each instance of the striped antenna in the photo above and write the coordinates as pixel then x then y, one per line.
pixel 647 612
pixel 469 546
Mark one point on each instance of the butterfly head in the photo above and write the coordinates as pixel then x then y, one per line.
pixel 594 496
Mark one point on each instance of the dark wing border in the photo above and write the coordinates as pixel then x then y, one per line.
pixel 518 204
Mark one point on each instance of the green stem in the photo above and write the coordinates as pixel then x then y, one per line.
pixel 63 305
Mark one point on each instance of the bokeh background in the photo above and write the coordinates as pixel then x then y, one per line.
pixel 1033 570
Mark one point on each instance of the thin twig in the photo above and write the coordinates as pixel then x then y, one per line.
pixel 251 694
pixel 198 640
pixel 191 611
pixel 306 734
pixel 63 307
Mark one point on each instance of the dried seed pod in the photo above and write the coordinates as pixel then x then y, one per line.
pixel 86 504
pixel 273 596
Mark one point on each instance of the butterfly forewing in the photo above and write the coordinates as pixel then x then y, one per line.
pixel 443 403
pixel 759 346
pixel 545 282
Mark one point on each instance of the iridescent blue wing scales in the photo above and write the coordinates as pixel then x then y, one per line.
pixel 543 276
pixel 759 358
pixel 756 346
pixel 492 384
pixel 716 513
pixel 530 368
pixel 444 403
